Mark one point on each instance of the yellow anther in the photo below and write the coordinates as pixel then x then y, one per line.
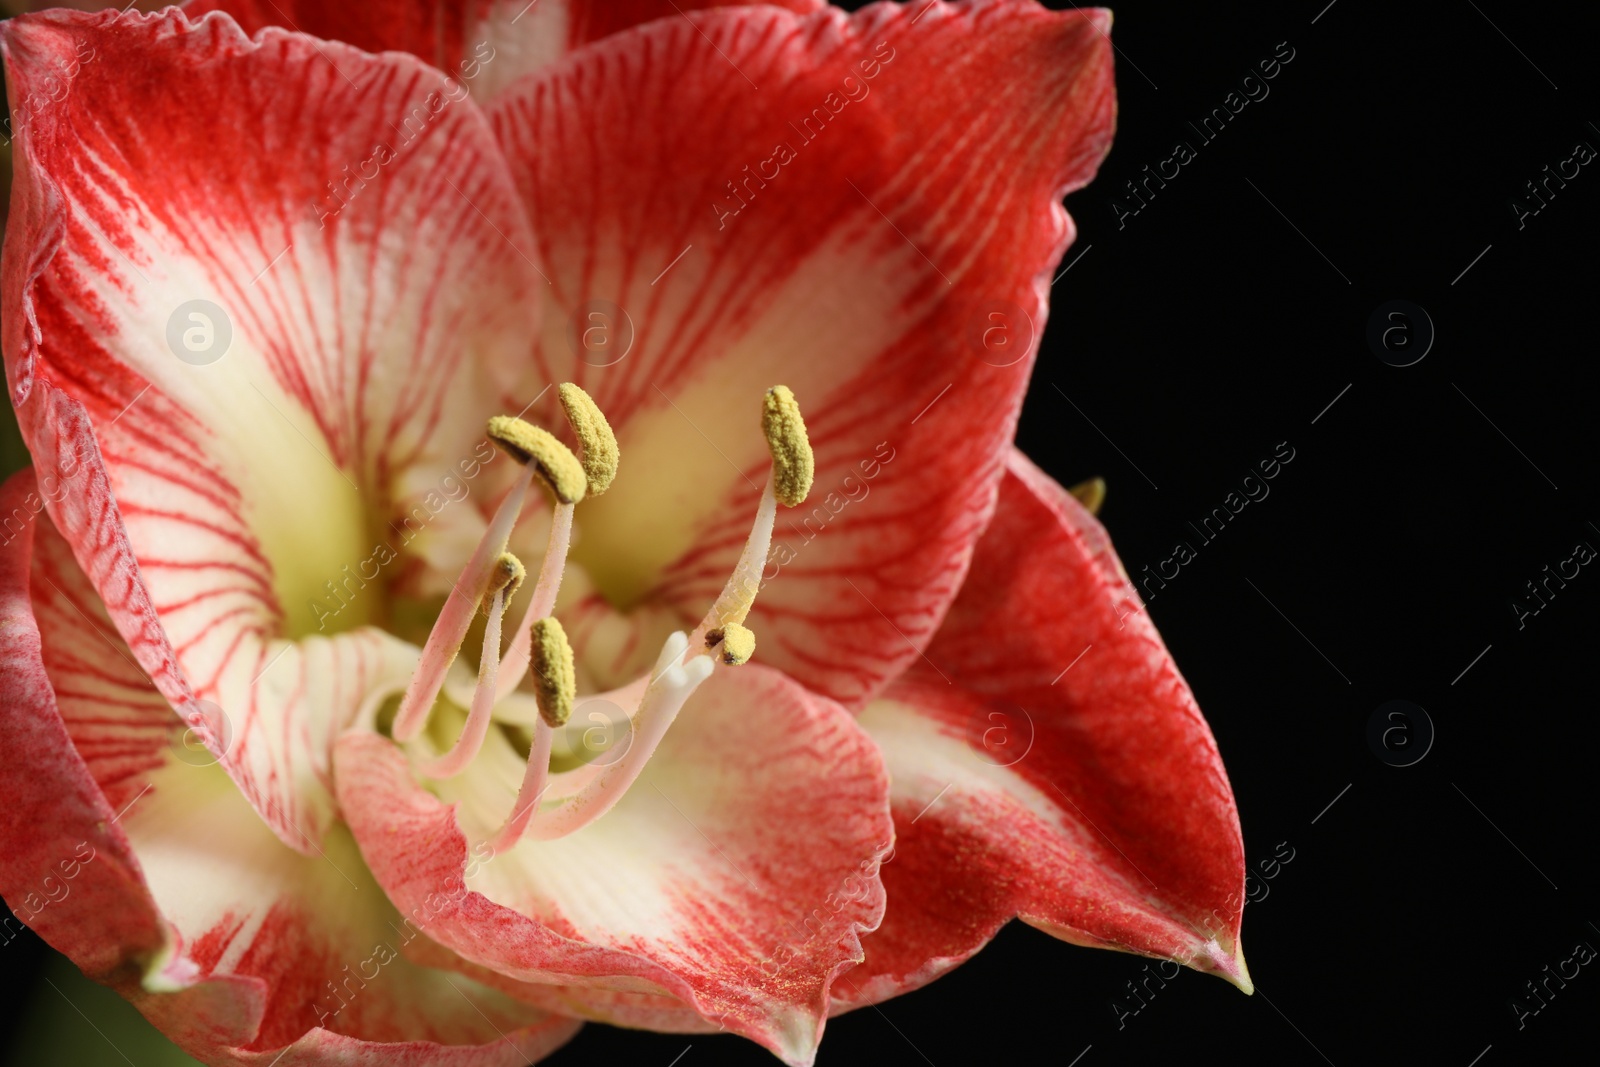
pixel 507 575
pixel 551 460
pixel 600 454
pixel 555 680
pixel 1091 494
pixel 738 643
pixel 793 465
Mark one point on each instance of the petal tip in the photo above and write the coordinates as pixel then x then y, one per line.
pixel 1214 957
pixel 1100 18
pixel 1233 969
pixel 1241 973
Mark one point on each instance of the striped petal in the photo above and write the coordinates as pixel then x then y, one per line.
pixel 259 296
pixel 130 852
pixel 1066 777
pixel 865 208
pixel 735 877
pixel 484 44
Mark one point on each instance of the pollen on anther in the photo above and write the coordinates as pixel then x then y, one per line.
pixel 552 460
pixel 507 575
pixel 793 465
pixel 738 643
pixel 555 678
pixel 1091 494
pixel 600 452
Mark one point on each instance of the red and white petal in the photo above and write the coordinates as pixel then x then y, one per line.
pixel 1067 776
pixel 129 853
pixel 736 875
pixel 233 506
pixel 484 44
pixel 635 1011
pixel 837 203
pixel 323 948
pixel 66 868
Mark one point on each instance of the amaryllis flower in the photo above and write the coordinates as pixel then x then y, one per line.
pixel 338 732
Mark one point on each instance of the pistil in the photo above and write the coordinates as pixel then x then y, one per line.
pixel 663 698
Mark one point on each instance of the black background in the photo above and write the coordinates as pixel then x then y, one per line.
pixel 1223 319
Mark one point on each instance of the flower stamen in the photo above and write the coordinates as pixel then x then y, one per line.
pixel 541 643
pixel 1091 494
pixel 599 465
pixel 793 464
pixel 664 696
pixel 503 582
pixel 540 451
pixel 600 454
pixel 505 579
pixel 737 641
pixel 554 674
pixel 553 463
pixel 555 686
pixel 673 680
pixel 444 641
pixel 789 481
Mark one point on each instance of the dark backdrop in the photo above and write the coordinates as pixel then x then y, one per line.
pixel 1229 314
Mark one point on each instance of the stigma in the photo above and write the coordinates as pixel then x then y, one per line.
pixel 551 804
